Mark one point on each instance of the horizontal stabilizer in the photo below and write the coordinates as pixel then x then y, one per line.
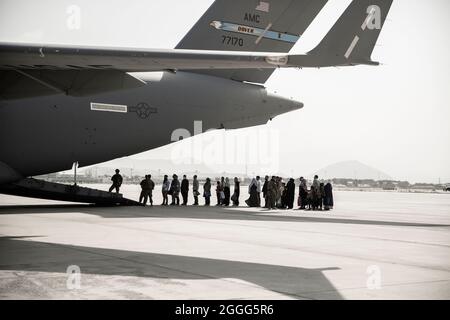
pixel 29 70
pixel 353 38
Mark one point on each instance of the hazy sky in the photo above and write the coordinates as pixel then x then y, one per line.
pixel 394 117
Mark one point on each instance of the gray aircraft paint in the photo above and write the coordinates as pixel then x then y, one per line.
pixel 68 130
pixel 341 41
pixel 283 16
pixel 49 133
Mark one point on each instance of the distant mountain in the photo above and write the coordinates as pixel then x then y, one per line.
pixel 352 170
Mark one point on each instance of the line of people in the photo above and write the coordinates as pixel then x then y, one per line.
pixel 223 191
pixel 280 195
pixel 276 193
pixel 319 197
pixel 174 188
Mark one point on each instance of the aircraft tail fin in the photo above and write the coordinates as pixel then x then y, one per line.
pixel 353 37
pixel 251 25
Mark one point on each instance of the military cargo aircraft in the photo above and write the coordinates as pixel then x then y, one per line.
pixel 61 105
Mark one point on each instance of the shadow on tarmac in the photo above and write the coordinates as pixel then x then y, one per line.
pixel 201 212
pixel 18 253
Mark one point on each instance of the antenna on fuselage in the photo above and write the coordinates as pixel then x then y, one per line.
pixel 75 166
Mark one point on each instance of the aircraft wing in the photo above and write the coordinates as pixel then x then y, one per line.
pixel 49 57
pixel 36 70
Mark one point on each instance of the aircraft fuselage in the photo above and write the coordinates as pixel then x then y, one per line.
pixel 48 134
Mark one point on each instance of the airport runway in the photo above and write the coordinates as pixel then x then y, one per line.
pixel 372 246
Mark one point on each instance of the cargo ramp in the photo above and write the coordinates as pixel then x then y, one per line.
pixel 41 189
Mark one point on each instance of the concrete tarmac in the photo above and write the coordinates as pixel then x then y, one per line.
pixel 372 246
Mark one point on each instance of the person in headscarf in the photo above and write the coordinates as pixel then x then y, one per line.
pixel 227 192
pixel 252 201
pixel 175 191
pixel 219 193
pixel 165 190
pixel 207 191
pixel 314 197
pixel 271 194
pixel 290 193
pixel 328 198
pixel 252 183
pixel 279 191
pixel 321 195
pixel 195 190
pixel 237 192
pixel 303 193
